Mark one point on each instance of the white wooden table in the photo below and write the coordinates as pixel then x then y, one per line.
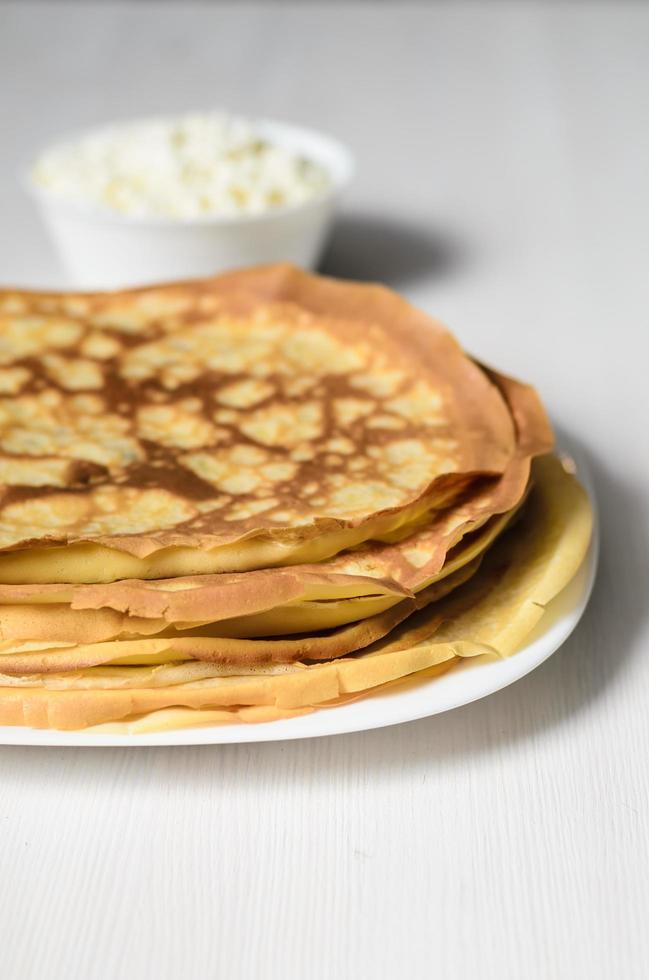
pixel 503 184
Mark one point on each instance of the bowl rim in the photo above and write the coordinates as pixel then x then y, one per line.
pixel 333 155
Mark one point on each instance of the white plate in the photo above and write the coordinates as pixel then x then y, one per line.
pixel 466 682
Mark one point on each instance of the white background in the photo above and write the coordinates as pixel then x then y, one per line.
pixel 503 184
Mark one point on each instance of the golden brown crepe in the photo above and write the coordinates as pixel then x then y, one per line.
pixel 263 417
pixel 294 599
pixel 232 655
pixel 491 613
pixel 322 601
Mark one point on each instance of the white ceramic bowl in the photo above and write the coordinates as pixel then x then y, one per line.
pixel 105 250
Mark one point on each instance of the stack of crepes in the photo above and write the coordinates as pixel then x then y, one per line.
pixel 247 497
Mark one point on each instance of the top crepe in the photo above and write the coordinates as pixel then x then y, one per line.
pixel 259 418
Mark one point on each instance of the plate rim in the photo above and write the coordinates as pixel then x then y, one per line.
pixel 335 721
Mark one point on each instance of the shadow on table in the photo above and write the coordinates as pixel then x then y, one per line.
pixel 382 249
pixel 568 683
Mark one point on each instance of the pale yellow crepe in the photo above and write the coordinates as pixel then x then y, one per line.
pixel 491 614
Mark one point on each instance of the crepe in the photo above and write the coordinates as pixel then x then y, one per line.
pixel 354 585
pixel 490 614
pixel 230 654
pixel 324 601
pixel 260 418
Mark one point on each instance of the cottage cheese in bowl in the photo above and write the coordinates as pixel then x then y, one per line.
pixel 189 167
pixel 169 198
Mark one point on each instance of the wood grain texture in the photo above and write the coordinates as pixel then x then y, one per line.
pixel 503 156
